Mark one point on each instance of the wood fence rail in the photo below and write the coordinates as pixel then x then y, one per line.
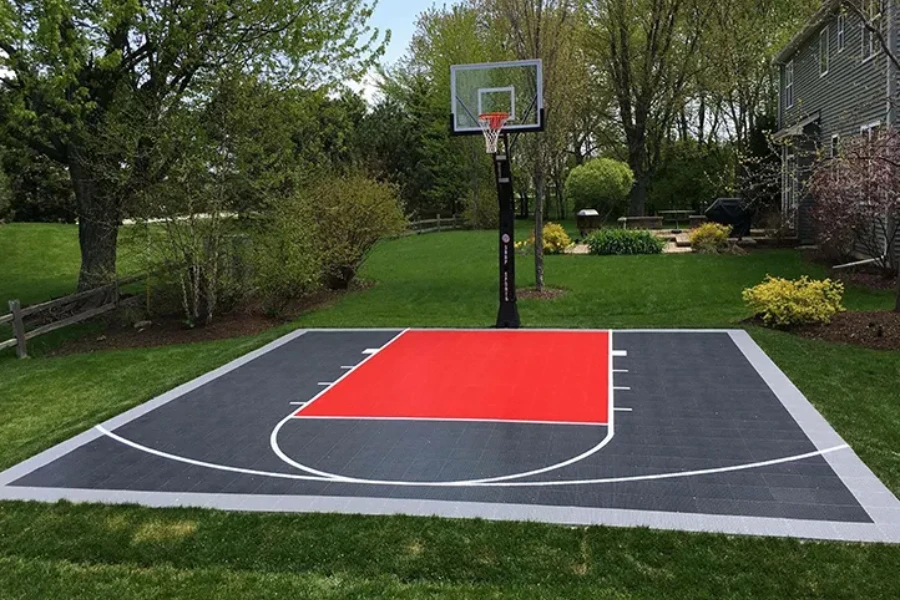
pixel 17 313
pixel 435 225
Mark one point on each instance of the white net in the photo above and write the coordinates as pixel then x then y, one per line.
pixel 492 124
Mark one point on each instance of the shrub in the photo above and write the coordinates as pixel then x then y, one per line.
pixel 710 238
pixel 286 258
pixel 480 210
pixel 352 213
pixel 624 241
pixel 556 240
pixel 784 303
pixel 602 184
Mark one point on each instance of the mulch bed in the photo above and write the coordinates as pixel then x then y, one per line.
pixel 119 334
pixel 879 330
pixel 867 279
pixel 545 294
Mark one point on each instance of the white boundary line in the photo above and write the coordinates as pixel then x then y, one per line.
pixel 485 483
pixel 610 432
pixel 200 463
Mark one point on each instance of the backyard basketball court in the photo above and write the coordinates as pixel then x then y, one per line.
pixel 692 430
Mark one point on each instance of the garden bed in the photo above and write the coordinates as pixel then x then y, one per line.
pixel 118 332
pixel 877 329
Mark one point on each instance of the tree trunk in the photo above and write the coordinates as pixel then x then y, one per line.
pixel 636 160
pixel 98 227
pixel 538 226
pixel 897 304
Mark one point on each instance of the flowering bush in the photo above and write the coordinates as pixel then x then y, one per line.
pixel 784 303
pixel 556 240
pixel 624 241
pixel 710 238
pixel 853 195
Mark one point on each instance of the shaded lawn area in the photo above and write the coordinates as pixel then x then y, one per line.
pixel 92 551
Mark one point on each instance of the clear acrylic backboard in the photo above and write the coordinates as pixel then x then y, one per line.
pixel 514 88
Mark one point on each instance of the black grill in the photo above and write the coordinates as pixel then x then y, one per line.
pixel 734 212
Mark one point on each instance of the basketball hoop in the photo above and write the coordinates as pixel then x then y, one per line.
pixel 492 124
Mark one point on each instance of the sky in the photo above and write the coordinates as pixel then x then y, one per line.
pixel 400 17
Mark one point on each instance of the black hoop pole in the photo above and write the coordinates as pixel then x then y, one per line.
pixel 508 314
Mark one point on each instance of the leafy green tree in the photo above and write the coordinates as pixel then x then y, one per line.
pixel 693 174
pixel 99 86
pixel 647 51
pixel 444 172
pixel 602 184
pixel 39 189
pixel 544 29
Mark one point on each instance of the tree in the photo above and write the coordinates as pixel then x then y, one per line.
pixel 737 77
pixel 647 51
pixel 543 29
pixel 602 184
pixel 96 86
pixel 442 168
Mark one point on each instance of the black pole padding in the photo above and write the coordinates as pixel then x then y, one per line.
pixel 508 314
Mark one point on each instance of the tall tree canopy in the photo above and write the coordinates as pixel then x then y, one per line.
pixel 98 87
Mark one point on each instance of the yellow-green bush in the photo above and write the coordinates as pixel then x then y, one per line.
pixel 556 240
pixel 710 238
pixel 784 302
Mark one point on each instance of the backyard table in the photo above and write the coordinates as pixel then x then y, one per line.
pixel 676 213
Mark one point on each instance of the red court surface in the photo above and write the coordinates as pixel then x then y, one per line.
pixel 546 376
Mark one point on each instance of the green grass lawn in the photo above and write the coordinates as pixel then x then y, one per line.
pixel 92 551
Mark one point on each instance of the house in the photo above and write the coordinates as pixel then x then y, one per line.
pixel 835 81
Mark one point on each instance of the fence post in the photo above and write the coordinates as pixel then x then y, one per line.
pixel 18 328
pixel 439 222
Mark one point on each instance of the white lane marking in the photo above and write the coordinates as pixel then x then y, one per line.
pixel 297 403
pixel 610 432
pixel 620 370
pixel 371 351
pixel 201 463
pixel 347 374
pixel 622 388
pixel 618 353
pixel 677 474
pixel 623 409
pixel 346 366
pixel 326 383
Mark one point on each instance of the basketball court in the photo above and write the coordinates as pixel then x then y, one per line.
pixel 689 430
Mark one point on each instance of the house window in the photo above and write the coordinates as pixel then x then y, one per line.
pixel 872 11
pixel 841 31
pixel 789 84
pixel 870 130
pixel 824 50
pixel 835 146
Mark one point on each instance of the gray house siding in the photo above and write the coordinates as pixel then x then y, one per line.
pixel 853 93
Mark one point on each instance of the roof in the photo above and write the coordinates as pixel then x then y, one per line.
pixel 809 29
pixel 796 130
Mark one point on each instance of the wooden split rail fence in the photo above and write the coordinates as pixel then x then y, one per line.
pixel 435 225
pixel 110 295
pixel 18 314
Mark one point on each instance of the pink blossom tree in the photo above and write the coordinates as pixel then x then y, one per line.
pixel 857 199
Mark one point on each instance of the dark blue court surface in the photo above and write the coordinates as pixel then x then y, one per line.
pixel 692 430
